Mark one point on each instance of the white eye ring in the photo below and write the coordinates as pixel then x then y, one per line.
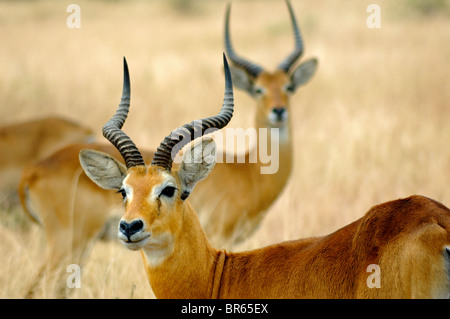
pixel 126 190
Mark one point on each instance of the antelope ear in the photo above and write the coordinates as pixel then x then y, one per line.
pixel 197 163
pixel 303 73
pixel 103 169
pixel 241 79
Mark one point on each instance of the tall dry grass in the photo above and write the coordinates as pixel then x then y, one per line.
pixel 370 127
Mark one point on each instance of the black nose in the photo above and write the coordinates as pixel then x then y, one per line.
pixel 279 111
pixel 129 229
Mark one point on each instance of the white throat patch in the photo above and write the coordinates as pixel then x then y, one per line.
pixel 158 249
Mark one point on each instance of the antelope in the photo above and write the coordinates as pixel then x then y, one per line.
pixel 25 142
pixel 226 216
pixel 84 210
pixel 229 218
pixel 407 239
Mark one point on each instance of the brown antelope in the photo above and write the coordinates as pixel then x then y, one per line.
pixel 406 241
pixel 229 218
pixel 25 142
pixel 226 216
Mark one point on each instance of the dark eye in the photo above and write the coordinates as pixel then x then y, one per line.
pixel 122 192
pixel 289 88
pixel 169 191
pixel 258 90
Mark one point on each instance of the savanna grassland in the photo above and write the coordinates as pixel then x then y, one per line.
pixel 371 126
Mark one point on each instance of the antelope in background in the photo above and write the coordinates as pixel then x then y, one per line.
pixel 231 217
pixel 29 141
pixel 408 239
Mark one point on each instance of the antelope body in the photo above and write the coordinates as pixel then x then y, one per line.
pixel 228 217
pixel 26 142
pixel 408 239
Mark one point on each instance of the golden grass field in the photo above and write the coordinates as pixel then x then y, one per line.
pixel 371 126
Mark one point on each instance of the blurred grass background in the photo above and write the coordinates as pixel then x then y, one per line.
pixel 371 126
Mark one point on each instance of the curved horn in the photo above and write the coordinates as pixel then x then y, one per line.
pixel 290 60
pixel 251 68
pixel 112 129
pixel 181 136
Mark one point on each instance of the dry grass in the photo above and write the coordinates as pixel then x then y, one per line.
pixel 370 127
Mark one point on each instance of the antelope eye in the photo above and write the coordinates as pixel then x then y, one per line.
pixel 289 88
pixel 122 192
pixel 169 191
pixel 258 90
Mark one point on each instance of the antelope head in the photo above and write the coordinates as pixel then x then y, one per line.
pixel 271 90
pixel 155 195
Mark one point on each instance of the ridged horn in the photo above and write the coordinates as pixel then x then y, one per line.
pixel 290 60
pixel 251 68
pixel 112 129
pixel 181 136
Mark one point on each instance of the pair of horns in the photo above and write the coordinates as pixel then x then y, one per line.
pixel 252 68
pixel 176 139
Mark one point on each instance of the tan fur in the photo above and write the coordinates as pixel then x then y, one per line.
pixel 227 216
pixel 406 238
pixel 176 220
pixel 72 209
pixel 26 142
pixel 231 211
